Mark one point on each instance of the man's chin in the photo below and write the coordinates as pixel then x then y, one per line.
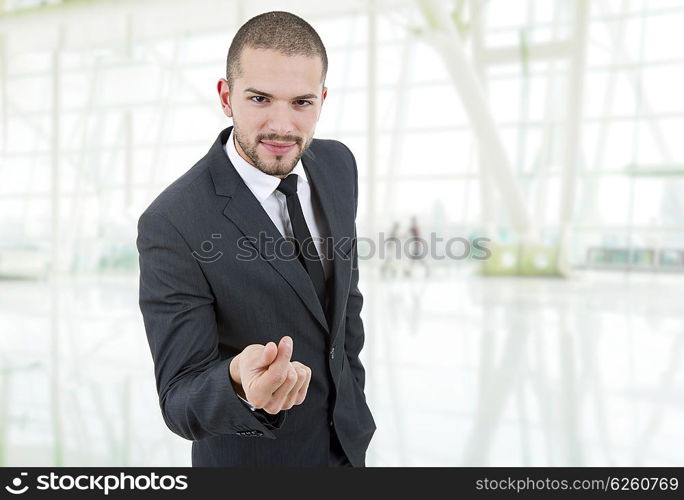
pixel 276 168
pixel 279 167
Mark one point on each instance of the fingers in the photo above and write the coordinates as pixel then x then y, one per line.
pixel 294 397
pixel 268 354
pixel 301 393
pixel 273 382
pixel 277 371
pixel 282 360
pixel 280 396
pixel 292 391
pixel 258 376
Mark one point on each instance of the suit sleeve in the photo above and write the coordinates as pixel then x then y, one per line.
pixel 354 332
pixel 196 395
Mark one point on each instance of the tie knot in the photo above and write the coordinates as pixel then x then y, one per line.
pixel 288 186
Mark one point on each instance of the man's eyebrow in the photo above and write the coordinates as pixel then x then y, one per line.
pixel 266 94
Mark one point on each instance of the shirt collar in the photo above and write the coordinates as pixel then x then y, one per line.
pixel 260 183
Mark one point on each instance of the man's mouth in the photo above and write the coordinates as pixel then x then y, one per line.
pixel 279 148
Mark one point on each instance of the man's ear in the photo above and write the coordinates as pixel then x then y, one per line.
pixel 224 97
pixel 323 96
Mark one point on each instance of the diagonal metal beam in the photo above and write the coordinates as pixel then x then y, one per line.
pixel 445 39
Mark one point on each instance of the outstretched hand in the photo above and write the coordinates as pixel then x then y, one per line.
pixel 266 377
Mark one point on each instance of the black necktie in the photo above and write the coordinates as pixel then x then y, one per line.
pixel 306 247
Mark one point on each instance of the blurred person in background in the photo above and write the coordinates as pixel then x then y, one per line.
pixel 417 249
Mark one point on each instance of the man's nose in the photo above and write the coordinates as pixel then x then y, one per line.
pixel 280 120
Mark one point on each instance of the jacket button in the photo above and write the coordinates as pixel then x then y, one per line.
pixel 332 353
pixel 259 433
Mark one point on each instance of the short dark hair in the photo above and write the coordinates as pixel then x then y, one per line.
pixel 281 31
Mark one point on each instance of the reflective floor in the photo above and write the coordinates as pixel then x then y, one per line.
pixel 462 370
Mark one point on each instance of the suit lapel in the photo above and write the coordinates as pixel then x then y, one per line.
pixel 245 211
pixel 332 210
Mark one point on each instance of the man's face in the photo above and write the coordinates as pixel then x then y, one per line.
pixel 275 104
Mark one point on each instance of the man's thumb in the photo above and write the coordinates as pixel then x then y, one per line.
pixel 268 354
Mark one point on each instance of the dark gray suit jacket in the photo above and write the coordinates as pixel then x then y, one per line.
pixel 211 284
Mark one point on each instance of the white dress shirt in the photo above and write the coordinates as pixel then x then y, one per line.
pixel 263 186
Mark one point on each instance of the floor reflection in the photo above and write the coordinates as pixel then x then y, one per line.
pixel 462 370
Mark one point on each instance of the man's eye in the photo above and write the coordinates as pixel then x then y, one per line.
pixel 257 97
pixel 302 102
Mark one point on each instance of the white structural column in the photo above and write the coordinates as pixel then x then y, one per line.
pixel 397 138
pixel 5 373
pixel 372 122
pixel 56 257
pixel 128 123
pixel 486 188
pixel 56 264
pixel 371 312
pixel 574 127
pixel 446 41
pixel 3 91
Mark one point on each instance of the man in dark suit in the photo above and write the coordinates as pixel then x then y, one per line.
pixel 248 271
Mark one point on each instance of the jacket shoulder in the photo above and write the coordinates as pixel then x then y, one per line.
pixel 333 150
pixel 183 194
